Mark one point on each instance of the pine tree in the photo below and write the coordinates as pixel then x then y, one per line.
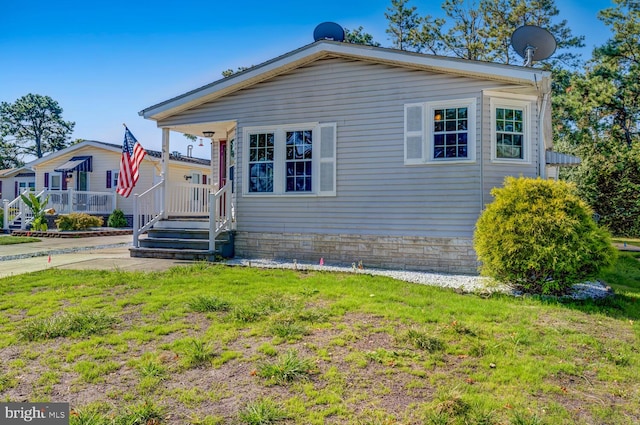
pixel 36 123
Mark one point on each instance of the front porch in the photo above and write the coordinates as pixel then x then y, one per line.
pixel 192 220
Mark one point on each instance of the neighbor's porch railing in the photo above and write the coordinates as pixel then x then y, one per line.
pixel 147 210
pixel 17 210
pixel 71 201
pixel 220 219
pixel 189 199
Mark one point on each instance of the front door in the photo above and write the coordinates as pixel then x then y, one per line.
pixel 222 171
pixel 82 181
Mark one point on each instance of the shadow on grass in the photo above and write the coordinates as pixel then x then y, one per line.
pixel 624 278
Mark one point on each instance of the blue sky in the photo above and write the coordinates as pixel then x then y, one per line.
pixel 103 61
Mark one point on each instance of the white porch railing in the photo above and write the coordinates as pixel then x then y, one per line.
pixel 62 201
pixel 185 200
pixel 220 219
pixel 17 210
pixel 70 201
pixel 147 210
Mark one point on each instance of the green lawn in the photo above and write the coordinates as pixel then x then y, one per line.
pixel 212 344
pixel 11 240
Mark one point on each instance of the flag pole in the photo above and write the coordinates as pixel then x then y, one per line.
pixel 124 125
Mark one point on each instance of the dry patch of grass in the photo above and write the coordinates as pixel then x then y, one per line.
pixel 212 345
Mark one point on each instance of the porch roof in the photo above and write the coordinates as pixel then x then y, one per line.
pixel 77 163
pixel 561 159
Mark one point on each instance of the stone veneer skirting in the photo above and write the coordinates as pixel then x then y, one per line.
pixel 446 255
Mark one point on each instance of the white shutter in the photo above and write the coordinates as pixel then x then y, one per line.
pixel 327 160
pixel 414 133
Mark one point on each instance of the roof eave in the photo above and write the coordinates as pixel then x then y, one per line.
pixel 312 52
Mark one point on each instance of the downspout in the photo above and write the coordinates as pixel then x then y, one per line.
pixel 541 146
pixel 481 152
pixel 542 158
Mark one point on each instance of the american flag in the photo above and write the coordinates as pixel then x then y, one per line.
pixel 132 155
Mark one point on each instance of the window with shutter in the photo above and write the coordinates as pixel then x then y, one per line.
pixel 290 160
pixel 440 132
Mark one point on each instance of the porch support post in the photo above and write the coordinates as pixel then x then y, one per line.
pixel 213 215
pixel 23 214
pixel 5 220
pixel 164 175
pixel 136 221
pixel 214 163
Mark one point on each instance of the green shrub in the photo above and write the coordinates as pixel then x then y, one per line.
pixel 37 207
pixel 116 219
pixel 78 221
pixel 540 237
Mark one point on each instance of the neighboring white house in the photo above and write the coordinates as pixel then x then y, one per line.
pixel 14 181
pixel 83 178
pixel 354 153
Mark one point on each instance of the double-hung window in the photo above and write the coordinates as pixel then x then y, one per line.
pixel 440 132
pixel 290 160
pixel 510 130
pixel 261 162
pixel 299 161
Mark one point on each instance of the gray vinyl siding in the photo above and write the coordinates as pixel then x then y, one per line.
pixel 377 193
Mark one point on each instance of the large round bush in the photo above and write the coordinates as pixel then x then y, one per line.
pixel 540 237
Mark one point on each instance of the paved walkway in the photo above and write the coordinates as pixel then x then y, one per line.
pixel 93 253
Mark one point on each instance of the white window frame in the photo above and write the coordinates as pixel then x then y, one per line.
pixel 60 176
pixel 508 102
pixel 319 160
pixel 427 131
pixel 114 179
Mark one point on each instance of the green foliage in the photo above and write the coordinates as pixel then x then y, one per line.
pixel 597 116
pixel 36 123
pixel 37 207
pixel 262 412
pixel 78 221
pixel 539 236
pixel 478 30
pixel 9 155
pixel 286 369
pixel 117 219
pixel 422 340
pixel 229 72
pixel 197 353
pixel 82 323
pixel 144 413
pixel 358 36
pixel 208 303
pixel 403 24
pixel 289 330
pixel 12 240
pixel 492 346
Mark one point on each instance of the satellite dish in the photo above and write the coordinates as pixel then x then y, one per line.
pixel 328 31
pixel 533 43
